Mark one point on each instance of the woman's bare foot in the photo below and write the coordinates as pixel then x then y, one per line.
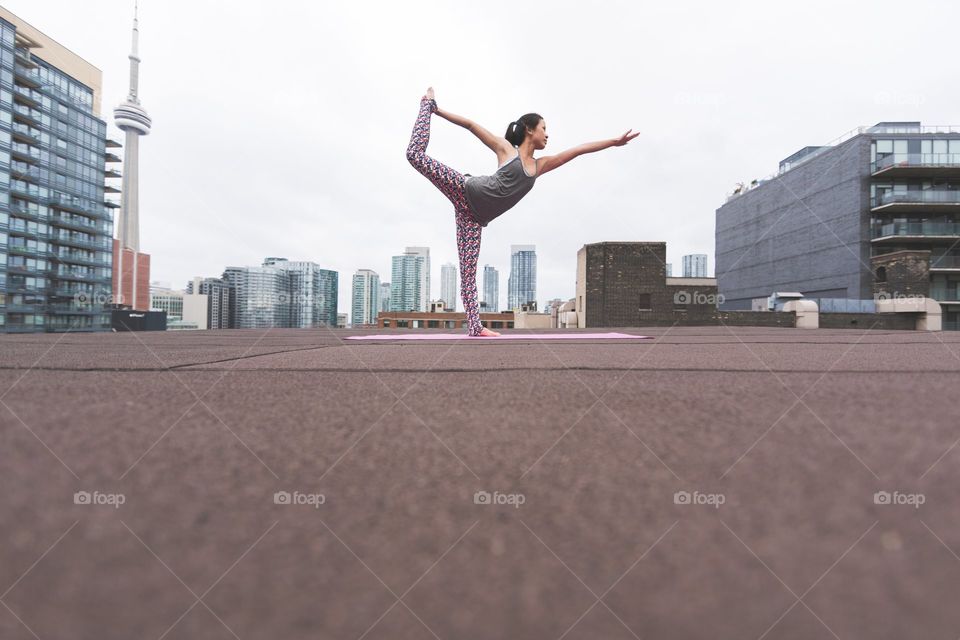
pixel 488 333
pixel 429 94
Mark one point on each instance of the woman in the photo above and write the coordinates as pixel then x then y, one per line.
pixel 479 199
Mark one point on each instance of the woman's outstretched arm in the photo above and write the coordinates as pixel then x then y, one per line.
pixel 497 144
pixel 549 163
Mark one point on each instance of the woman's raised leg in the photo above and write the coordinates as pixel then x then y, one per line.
pixel 449 181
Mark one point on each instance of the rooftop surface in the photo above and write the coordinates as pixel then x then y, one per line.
pixel 715 482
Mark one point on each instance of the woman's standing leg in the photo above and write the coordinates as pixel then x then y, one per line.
pixel 449 181
pixel 468 247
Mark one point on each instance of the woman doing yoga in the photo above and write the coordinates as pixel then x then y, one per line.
pixel 479 199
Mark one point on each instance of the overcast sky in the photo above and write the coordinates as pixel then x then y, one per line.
pixel 280 127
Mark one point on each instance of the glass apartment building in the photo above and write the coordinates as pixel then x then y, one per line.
pixel 694 266
pixel 407 281
pixel 56 225
pixel 836 219
pixel 311 291
pixel 260 297
pixel 491 290
pixel 522 282
pixel 365 297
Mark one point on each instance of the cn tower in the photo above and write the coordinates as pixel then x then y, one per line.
pixel 131 118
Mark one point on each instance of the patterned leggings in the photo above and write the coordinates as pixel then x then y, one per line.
pixel 451 184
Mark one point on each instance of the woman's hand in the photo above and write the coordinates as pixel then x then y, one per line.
pixel 625 138
pixel 429 94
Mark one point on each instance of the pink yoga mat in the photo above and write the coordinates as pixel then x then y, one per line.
pixel 506 336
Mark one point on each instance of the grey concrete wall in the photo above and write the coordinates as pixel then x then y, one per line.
pixel 789 233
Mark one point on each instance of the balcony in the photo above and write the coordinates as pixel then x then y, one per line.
pixel 26 134
pixel 113 144
pixel 26 114
pixel 111 157
pixel 96 245
pixel 932 200
pixel 27 96
pixel 25 152
pixel 76 206
pixel 77 223
pixel 916 230
pixel 110 172
pixel 915 165
pixel 26 76
pixel 944 263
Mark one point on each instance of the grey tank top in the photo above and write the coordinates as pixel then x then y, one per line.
pixel 490 196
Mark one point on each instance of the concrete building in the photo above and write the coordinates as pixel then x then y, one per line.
pixel 55 220
pixel 836 220
pixel 342 321
pixel 694 266
pixel 522 282
pixel 490 300
pixel 219 293
pixel 448 286
pixel 184 310
pixel 365 297
pixel 408 280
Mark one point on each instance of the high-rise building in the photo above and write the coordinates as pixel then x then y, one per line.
pixel 311 295
pixel 423 252
pixel 55 222
pixel 407 282
pixel 491 290
pixel 522 283
pixel 260 297
pixel 365 297
pixel 838 220
pixel 131 267
pixel 669 270
pixel 448 286
pixel 694 266
pixel 384 296
pixel 218 294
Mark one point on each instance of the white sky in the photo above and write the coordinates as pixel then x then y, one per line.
pixel 280 128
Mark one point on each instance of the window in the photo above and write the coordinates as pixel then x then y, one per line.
pixel 881 274
pixel 644 302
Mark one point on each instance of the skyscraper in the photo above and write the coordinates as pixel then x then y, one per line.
pixel 695 265
pixel 384 296
pixel 448 286
pixel 365 297
pixel 407 281
pixel 131 268
pixel 260 297
pixel 491 290
pixel 522 283
pixel 423 252
pixel 218 295
pixel 55 226
pixel 311 293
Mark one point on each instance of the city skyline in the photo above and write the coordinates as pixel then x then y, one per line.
pixel 711 122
